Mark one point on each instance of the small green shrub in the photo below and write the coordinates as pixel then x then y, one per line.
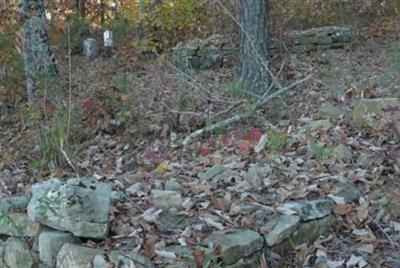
pixel 276 141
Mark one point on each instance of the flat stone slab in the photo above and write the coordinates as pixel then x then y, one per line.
pixel 236 244
pixel 311 210
pixel 281 228
pixel 80 206
pixel 216 173
pixel 166 199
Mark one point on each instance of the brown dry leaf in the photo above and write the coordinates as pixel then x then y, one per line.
pixel 343 209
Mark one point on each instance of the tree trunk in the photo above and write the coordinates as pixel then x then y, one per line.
pixel 253 73
pixel 39 64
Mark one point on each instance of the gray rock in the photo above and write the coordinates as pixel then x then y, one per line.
pixel 137 188
pixel 50 242
pixel 76 256
pixel 216 173
pixel 173 185
pixel 242 208
pixel 311 210
pixel 236 244
pixel 17 201
pixel 256 175
pixel 331 111
pixel 80 206
pixel 99 261
pixel 166 199
pixel 342 152
pixel 16 255
pixel 171 220
pixel 378 114
pixel 117 196
pixel 18 224
pixel 306 232
pixel 281 228
pixel 315 125
pixel 347 190
pixel 118 257
pixel 249 262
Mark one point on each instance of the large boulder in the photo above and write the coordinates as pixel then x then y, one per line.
pixel 378 114
pixel 80 206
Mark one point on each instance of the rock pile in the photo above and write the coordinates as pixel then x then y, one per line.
pixel 59 215
pixel 199 54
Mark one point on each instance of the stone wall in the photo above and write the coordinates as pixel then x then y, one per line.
pixel 199 54
pixel 322 38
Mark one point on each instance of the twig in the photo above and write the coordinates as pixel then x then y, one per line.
pixel 234 119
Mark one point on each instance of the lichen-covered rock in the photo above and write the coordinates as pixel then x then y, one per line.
pixel 50 242
pixel 378 114
pixel 216 173
pixel 80 206
pixel 331 111
pixel 71 255
pixel 236 244
pixel 18 224
pixel 306 232
pixel 311 210
pixel 346 190
pixel 281 228
pixel 120 258
pixel 342 152
pixel 16 254
pixel 166 199
pixel 315 125
pixel 256 175
pixel 17 201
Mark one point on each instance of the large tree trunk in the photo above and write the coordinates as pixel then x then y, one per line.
pixel 39 64
pixel 253 73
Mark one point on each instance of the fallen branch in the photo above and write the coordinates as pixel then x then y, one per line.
pixel 234 119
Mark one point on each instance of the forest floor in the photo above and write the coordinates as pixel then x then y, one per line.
pixel 129 117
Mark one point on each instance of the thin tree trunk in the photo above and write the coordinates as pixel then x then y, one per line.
pixel 39 64
pixel 253 73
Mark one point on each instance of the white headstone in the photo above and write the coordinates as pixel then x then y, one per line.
pixel 108 38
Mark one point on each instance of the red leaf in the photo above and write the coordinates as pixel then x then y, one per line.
pixel 198 258
pixel 225 140
pixel 245 146
pixel 88 104
pixel 204 150
pixel 255 134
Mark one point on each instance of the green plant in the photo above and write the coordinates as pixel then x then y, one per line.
pixel 54 140
pixel 235 90
pixel 122 83
pixel 28 112
pixel 276 141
